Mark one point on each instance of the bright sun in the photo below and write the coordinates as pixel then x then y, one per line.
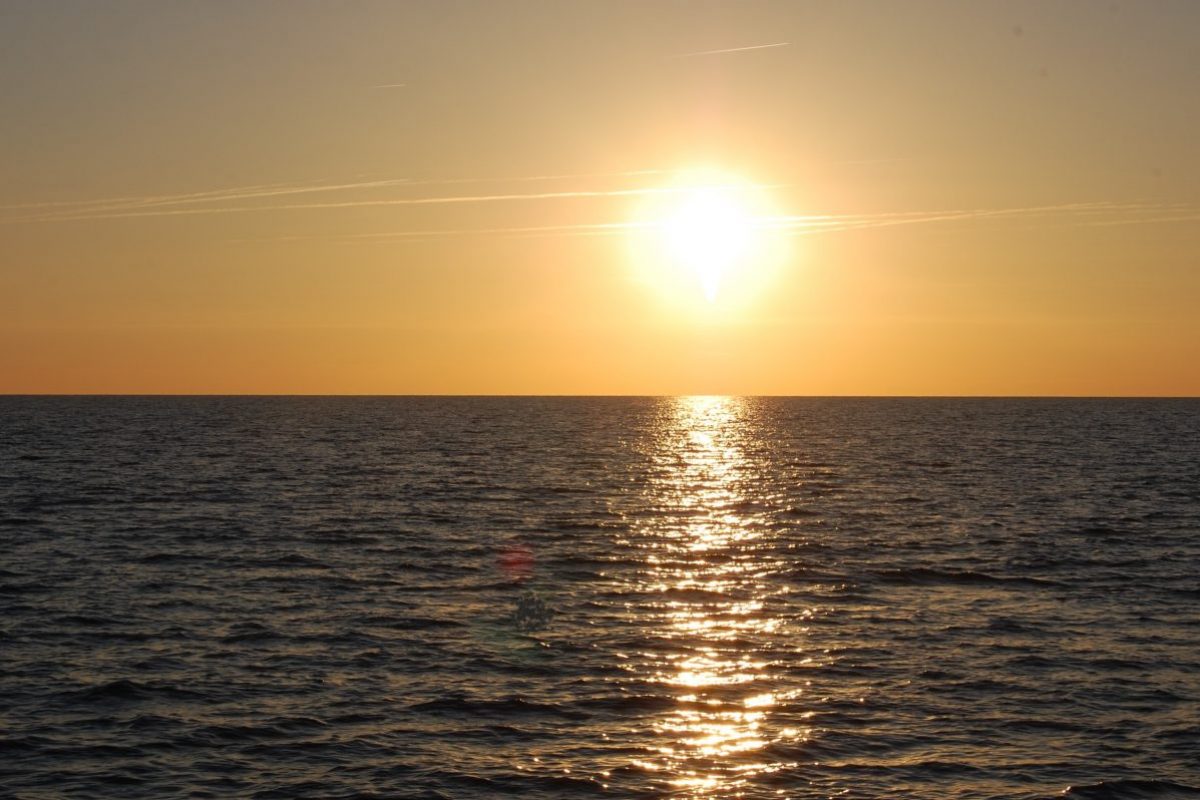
pixel 705 235
pixel 709 232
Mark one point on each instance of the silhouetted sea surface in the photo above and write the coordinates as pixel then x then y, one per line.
pixel 558 598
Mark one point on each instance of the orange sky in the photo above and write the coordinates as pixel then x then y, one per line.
pixel 393 198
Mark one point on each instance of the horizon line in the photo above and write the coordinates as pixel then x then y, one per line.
pixel 568 395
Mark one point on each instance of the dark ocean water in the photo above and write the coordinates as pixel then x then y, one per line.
pixel 560 598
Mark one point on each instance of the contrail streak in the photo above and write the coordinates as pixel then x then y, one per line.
pixel 588 229
pixel 731 50
pixel 791 224
pixel 105 208
pixel 582 229
pixel 534 178
pixel 139 199
pixel 99 209
pixel 407 201
pixel 831 223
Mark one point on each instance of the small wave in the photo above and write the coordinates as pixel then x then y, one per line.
pixel 799 512
pixel 517 785
pixel 284 728
pixel 1094 530
pixel 290 560
pixel 250 632
pixel 1132 790
pixel 84 621
pixel 416 623
pixel 126 691
pixel 632 703
pixel 15 746
pixel 1036 726
pixel 150 722
pixel 694 595
pixel 31 587
pixel 366 658
pixel 922 576
pixel 1185 733
pixel 508 707
pixel 172 558
pixel 114 690
pixel 744 507
pixel 1005 625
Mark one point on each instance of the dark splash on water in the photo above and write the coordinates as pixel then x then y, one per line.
pixel 695 597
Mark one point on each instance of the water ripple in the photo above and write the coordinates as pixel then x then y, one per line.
pixel 548 598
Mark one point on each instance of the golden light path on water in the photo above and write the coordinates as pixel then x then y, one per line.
pixel 721 644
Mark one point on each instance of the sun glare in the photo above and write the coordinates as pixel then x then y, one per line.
pixel 709 232
pixel 705 237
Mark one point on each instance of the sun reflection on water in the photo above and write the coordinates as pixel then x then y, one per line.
pixel 706 562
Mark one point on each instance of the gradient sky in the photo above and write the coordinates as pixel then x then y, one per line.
pixel 218 197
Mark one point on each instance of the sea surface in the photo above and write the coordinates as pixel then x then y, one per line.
pixel 700 597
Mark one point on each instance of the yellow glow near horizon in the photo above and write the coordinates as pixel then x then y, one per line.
pixel 591 200
pixel 708 235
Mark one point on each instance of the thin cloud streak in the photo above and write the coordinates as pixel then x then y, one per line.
pixel 1177 213
pixel 384 237
pixel 130 200
pixel 835 223
pixel 98 209
pixel 799 225
pixel 731 50
pixel 534 178
pixel 104 208
pixel 390 86
pixel 583 229
pixel 408 201
pixel 1109 213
